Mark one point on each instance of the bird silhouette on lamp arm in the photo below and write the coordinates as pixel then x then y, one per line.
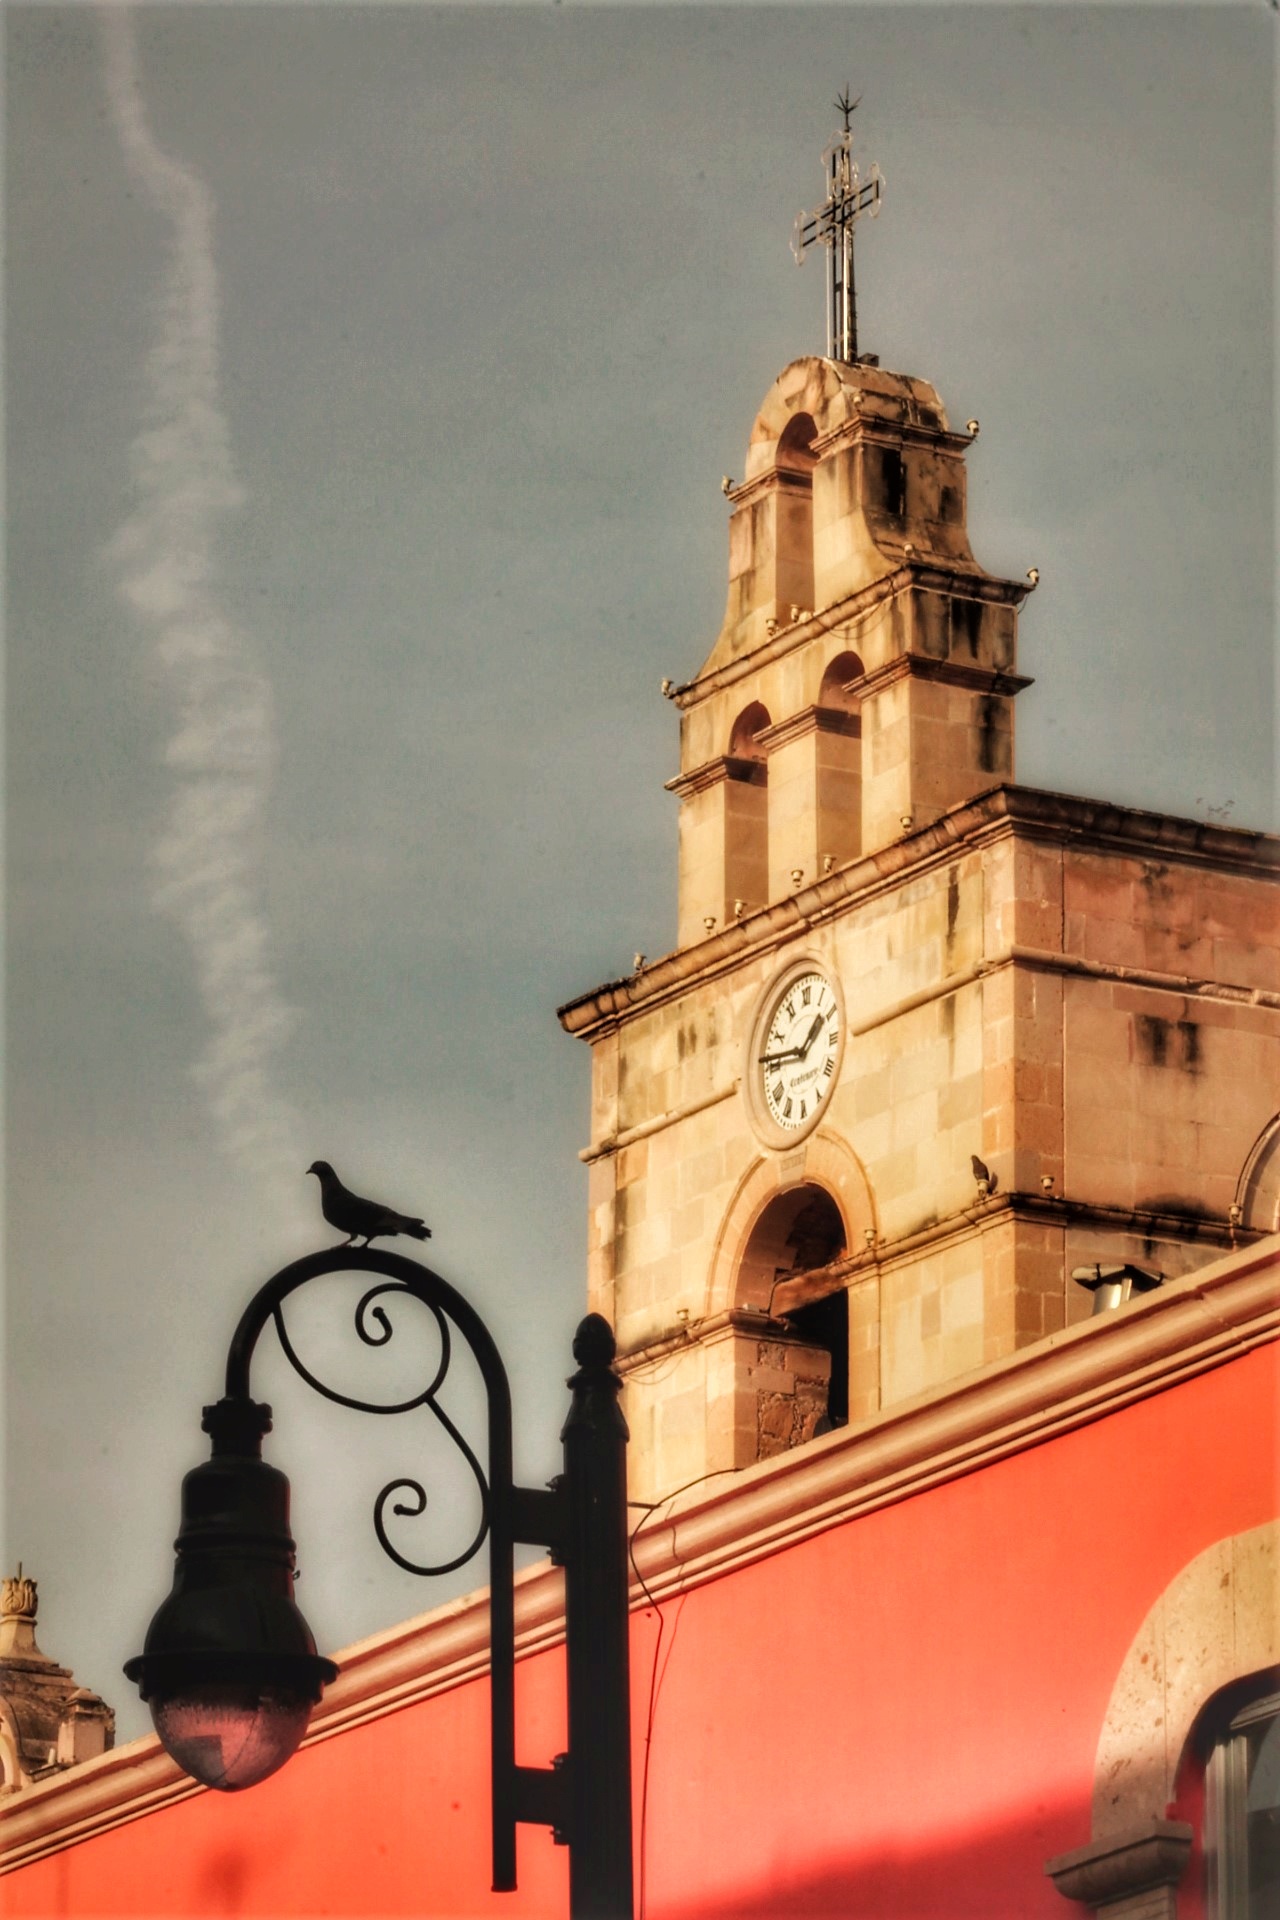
pixel 359 1219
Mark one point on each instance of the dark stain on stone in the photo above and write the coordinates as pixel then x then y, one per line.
pixel 1152 1035
pixel 953 911
pixel 1156 1042
pixel 621 1211
pixel 1189 1036
pixel 990 749
pixel 967 620
pixel 886 480
pixel 1190 1212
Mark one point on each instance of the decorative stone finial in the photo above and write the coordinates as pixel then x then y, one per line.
pixel 18 1597
pixel 49 1722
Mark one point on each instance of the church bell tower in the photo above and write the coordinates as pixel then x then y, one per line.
pixel 846 1137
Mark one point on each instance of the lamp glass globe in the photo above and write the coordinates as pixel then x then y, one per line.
pixel 230 1735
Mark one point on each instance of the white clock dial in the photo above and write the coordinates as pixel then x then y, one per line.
pixel 797 1056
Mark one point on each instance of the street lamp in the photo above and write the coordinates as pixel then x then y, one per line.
pixel 230 1669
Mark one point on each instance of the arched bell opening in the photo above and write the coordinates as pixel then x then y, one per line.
pixel 793 553
pixel 746 815
pixel 797 1232
pixel 839 690
pixel 785 1267
pixel 838 772
pixel 744 735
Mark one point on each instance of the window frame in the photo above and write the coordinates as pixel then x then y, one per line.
pixel 1226 1804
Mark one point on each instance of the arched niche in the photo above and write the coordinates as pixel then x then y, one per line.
pixel 792 1215
pixel 746 814
pixel 838 689
pixel 744 734
pixel 1216 1622
pixel 813 388
pixel 796 452
pixel 823 1160
pixel 838 772
pixel 799 1230
pixel 795 460
pixel 1210 1644
pixel 1258 1189
pixel 800 1233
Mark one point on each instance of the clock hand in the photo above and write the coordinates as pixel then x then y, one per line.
pixel 814 1031
pixel 776 1059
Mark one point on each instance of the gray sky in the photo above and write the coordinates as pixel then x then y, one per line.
pixel 497 294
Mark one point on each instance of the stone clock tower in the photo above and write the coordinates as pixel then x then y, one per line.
pixel 929 1042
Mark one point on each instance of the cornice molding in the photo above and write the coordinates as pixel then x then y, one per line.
pixel 772 480
pixel 927 572
pixel 1057 819
pixel 714 773
pixel 953 673
pixel 1105 1363
pixel 885 431
pixel 810 720
pixel 1151 1856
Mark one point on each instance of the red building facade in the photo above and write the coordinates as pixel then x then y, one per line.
pixel 899 1671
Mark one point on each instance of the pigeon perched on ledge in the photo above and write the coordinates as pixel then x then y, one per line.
pixel 987 1181
pixel 360 1219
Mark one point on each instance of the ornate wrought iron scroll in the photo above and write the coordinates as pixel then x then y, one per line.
pixel 399 1275
pixel 427 1398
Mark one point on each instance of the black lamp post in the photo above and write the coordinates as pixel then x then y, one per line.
pixel 230 1669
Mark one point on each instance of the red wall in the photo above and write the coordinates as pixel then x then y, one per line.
pixel 896 1719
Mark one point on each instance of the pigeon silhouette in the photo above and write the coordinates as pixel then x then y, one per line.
pixel 360 1219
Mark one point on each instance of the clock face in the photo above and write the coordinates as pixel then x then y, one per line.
pixel 797 1054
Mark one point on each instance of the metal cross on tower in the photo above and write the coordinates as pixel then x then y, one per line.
pixel 831 225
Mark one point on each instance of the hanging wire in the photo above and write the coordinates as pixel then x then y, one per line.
pixel 656 1673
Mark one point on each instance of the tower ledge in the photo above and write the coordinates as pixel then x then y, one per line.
pixel 1096 825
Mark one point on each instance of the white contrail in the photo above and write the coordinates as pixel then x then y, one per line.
pixel 223 751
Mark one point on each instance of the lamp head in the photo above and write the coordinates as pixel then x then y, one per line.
pixel 229 1668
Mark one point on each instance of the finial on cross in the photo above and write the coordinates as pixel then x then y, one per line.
pixel 846 106
pixel 831 225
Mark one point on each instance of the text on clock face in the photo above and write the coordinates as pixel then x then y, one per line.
pixel 798 1058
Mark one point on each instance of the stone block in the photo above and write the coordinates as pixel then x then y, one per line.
pixel 1093 1025
pixel 962 1303
pixel 960 1103
pixel 914 1119
pixel 1106 1131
